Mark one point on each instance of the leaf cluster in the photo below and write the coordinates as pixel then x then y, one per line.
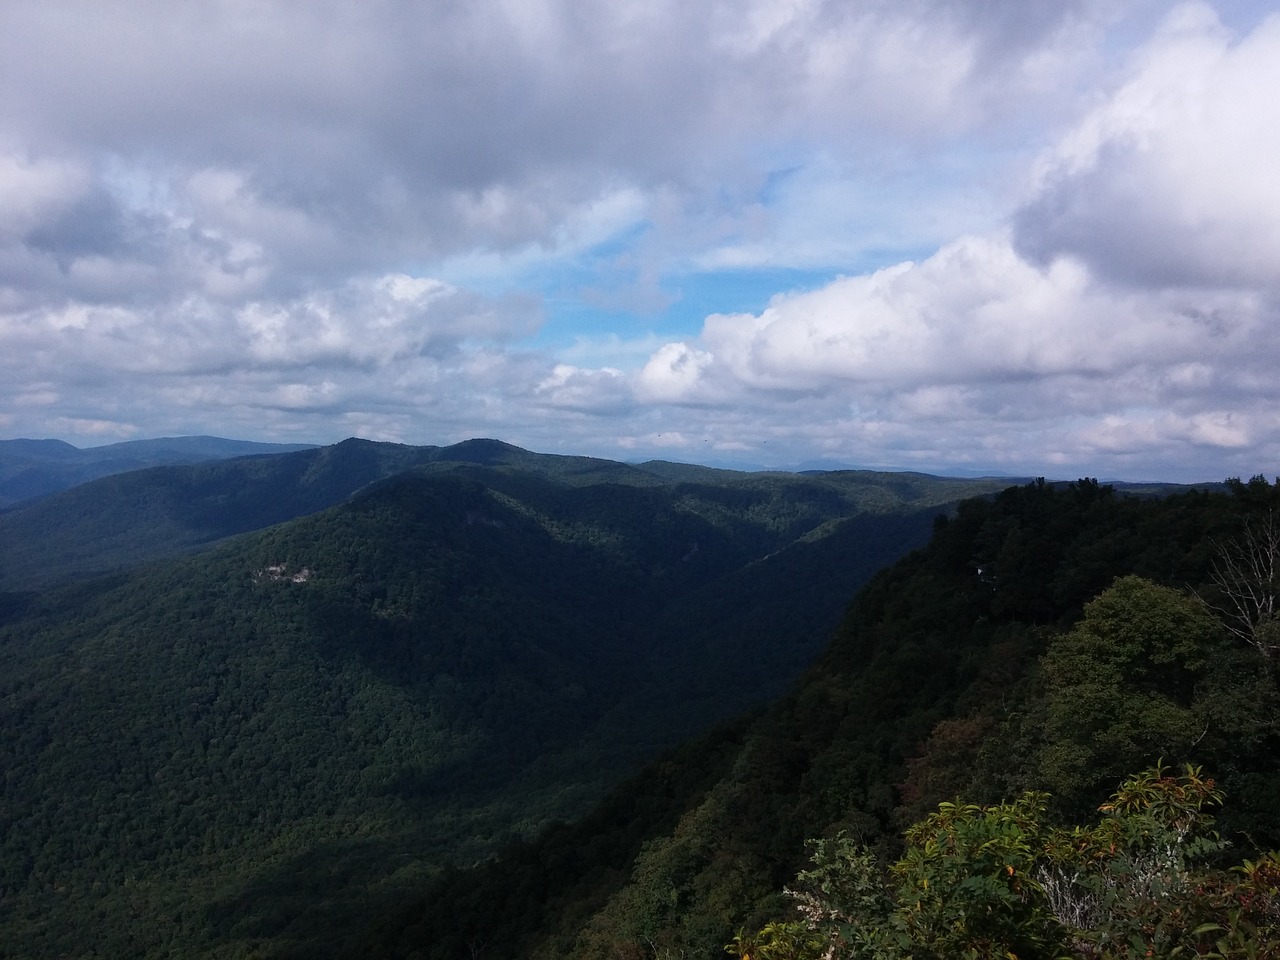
pixel 1001 881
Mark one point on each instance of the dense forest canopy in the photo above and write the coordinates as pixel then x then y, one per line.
pixel 422 721
pixel 37 468
pixel 1047 643
pixel 262 747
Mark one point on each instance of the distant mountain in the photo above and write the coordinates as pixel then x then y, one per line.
pixel 239 752
pixel 36 468
pixel 124 519
pixel 120 521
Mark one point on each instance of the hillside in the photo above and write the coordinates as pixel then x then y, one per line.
pixel 963 670
pixel 253 750
pixel 37 468
pixel 118 522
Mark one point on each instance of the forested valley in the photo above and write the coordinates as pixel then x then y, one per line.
pixel 1049 733
pixel 378 701
pixel 260 707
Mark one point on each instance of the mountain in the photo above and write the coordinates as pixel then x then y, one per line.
pixel 117 522
pixel 125 519
pixel 382 659
pixel 36 468
pixel 1051 638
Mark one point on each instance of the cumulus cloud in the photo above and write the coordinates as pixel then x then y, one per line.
pixel 972 323
pixel 1169 182
pixel 975 313
pixel 1023 240
pixel 1130 315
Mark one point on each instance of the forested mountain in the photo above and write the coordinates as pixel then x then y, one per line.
pixel 36 468
pixel 271 747
pixel 1051 639
pixel 117 522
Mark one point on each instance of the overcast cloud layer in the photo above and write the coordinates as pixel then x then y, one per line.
pixel 1022 236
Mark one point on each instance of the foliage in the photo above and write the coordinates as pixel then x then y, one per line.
pixel 276 745
pixel 999 881
pixel 777 941
pixel 937 685
pixel 34 468
pixel 120 521
pixel 1121 685
pixel 210 759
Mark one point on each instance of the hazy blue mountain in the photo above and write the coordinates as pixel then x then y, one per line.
pixel 119 521
pixel 36 468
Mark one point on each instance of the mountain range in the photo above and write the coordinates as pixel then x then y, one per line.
pixel 34 468
pixel 249 703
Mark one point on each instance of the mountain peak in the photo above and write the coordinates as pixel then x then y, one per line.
pixel 483 450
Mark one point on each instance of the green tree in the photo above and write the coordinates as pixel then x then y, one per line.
pixel 1121 686
pixel 1001 881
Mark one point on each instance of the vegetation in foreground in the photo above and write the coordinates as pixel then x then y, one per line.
pixel 1043 646
pixel 1000 881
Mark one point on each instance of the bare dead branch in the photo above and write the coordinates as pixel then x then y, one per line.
pixel 1246 572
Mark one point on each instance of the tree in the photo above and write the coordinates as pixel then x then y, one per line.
pixel 1246 573
pixel 1000 881
pixel 1120 687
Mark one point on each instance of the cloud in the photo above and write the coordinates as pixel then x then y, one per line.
pixel 1168 183
pixel 978 355
pixel 378 321
pixel 435 129
pixel 1128 315
pixel 600 392
pixel 1026 234
pixel 975 312
pixel 676 373
pixel 382 346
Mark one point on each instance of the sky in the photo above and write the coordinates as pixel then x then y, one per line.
pixel 1026 237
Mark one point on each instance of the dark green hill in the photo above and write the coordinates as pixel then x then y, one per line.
pixel 935 686
pixel 129 518
pixel 36 468
pixel 120 521
pixel 257 749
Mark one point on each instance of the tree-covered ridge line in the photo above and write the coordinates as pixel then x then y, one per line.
pixel 1053 639
pixel 118 522
pixel 37 468
pixel 205 758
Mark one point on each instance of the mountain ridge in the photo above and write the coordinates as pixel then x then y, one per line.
pixel 32 468
pixel 113 522
pixel 449 651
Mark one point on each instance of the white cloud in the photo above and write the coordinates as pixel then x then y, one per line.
pixel 676 373
pixel 972 313
pixel 978 342
pixel 272 218
pixel 602 391
pixel 1169 182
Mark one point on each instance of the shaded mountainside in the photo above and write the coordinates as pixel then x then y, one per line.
pixel 963 670
pixel 258 749
pixel 36 468
pixel 121 521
